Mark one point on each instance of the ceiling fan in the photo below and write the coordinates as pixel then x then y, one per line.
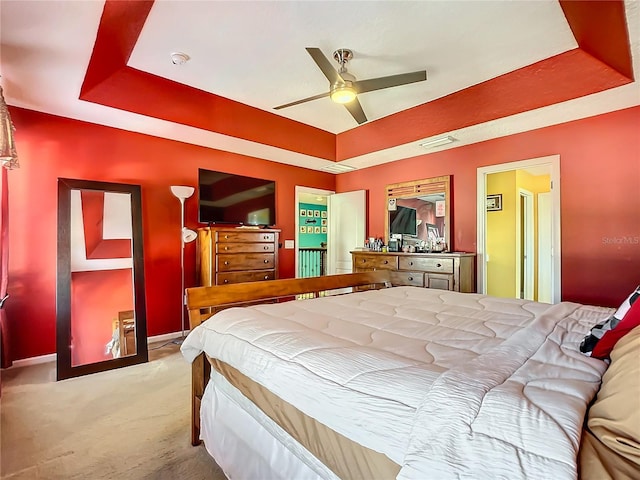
pixel 344 88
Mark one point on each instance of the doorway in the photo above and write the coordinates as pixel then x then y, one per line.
pixel 311 232
pixel 345 225
pixel 511 255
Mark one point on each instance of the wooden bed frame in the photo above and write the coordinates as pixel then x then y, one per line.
pixel 203 302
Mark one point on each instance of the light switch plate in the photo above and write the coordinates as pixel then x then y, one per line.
pixel 289 244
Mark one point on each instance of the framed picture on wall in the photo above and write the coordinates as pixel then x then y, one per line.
pixel 323 214
pixel 324 222
pixel 316 229
pixel 494 202
pixel 316 213
pixel 303 229
pixel 303 212
pixel 324 229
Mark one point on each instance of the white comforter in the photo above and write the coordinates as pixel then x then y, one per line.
pixel 447 385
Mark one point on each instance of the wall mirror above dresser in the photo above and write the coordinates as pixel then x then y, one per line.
pixel 418 213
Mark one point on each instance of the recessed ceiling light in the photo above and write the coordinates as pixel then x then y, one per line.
pixel 436 142
pixel 338 168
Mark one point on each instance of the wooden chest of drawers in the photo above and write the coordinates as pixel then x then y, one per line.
pixel 445 271
pixel 231 255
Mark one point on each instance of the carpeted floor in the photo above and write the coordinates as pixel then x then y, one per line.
pixel 131 423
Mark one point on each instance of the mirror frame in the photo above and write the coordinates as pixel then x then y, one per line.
pixel 415 189
pixel 63 295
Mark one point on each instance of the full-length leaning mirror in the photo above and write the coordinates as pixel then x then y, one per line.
pixel 418 212
pixel 101 313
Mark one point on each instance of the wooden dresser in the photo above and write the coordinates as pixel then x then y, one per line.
pixel 234 255
pixel 445 271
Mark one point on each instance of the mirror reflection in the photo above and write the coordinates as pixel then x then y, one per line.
pixel 418 214
pixel 101 276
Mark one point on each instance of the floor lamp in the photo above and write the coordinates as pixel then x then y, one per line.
pixel 183 192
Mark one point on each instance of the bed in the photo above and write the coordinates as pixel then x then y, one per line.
pixel 387 382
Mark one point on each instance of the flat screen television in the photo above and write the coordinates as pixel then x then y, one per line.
pixel 235 199
pixel 403 220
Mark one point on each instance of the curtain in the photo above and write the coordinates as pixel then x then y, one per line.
pixel 5 352
pixel 8 160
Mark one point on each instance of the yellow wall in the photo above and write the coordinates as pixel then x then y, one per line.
pixel 501 236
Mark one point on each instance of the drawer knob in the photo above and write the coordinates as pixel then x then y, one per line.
pixel 411 279
pixel 266 237
pixel 226 262
pixel 266 277
pixel 439 265
pixel 226 236
pixel 266 261
pixel 364 261
pixel 410 263
pixel 226 281
pixel 386 261
pixel 266 247
pixel 226 248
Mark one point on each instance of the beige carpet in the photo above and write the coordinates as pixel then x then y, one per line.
pixel 130 423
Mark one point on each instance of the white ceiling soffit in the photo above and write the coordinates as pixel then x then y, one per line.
pixel 254 53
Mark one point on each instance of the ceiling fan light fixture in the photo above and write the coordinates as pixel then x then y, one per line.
pixel 343 94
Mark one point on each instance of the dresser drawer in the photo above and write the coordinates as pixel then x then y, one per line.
pixel 437 265
pixel 241 237
pixel 379 262
pixel 245 247
pixel 439 281
pixel 250 261
pixel 415 279
pixel 238 277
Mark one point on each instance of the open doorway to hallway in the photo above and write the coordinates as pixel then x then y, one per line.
pixel 519 231
pixel 343 228
pixel 311 232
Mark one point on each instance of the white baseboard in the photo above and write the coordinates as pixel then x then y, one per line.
pixel 51 357
pixel 164 337
pixel 25 362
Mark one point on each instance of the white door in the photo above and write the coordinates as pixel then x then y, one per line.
pixel 545 251
pixel 524 245
pixel 346 229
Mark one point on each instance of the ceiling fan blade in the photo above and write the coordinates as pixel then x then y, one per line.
pixel 304 100
pixel 325 65
pixel 355 109
pixel 372 84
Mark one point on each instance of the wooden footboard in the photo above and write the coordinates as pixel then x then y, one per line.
pixel 203 302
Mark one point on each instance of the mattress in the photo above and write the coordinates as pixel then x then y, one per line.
pixel 421 375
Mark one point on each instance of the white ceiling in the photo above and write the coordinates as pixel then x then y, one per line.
pixel 254 53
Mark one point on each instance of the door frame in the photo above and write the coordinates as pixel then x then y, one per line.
pixel 553 163
pixel 298 190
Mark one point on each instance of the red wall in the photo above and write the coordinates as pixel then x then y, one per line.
pixel 600 199
pixel 600 180
pixel 50 147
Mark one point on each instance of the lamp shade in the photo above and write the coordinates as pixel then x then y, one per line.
pixel 188 235
pixel 182 191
